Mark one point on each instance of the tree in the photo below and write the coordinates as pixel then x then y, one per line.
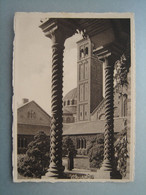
pixel 68 146
pixel 36 160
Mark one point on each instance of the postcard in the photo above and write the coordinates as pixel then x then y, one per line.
pixel 74 97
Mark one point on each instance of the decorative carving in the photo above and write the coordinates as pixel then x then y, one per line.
pixel 56 169
pixel 109 160
pixel 109 110
pixel 58 31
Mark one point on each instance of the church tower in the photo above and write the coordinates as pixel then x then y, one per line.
pixel 89 80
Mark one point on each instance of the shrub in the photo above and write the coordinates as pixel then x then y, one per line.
pixel 95 152
pixel 36 160
pixel 68 146
pixel 121 153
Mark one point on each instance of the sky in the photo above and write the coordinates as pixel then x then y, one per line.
pixel 33 61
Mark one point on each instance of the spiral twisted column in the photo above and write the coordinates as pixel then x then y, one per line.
pixel 56 168
pixel 108 166
pixel 109 124
pixel 58 30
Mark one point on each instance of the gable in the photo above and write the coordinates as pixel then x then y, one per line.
pixel 32 114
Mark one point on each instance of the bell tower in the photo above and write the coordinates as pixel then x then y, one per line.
pixel 89 80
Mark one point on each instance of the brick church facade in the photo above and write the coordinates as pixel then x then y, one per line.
pixel 83 107
pixel 85 104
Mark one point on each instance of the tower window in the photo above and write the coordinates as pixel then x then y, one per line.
pixel 86 70
pixel 68 102
pixel 81 74
pixel 73 102
pixel 82 53
pixel 86 51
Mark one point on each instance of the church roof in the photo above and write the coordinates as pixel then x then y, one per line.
pixel 28 103
pixel 71 95
pixel 92 127
pixel 31 113
pixel 33 131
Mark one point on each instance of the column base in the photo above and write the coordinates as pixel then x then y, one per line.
pixel 54 173
pixel 107 174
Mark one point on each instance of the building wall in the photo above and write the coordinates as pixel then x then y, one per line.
pixel 120 107
pixel 22 143
pixel 68 118
pixel 89 80
pixel 82 142
pixel 31 114
pixel 84 50
pixel 31 119
pixel 26 134
pixel 96 83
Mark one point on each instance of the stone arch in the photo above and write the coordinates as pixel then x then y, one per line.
pixel 102 116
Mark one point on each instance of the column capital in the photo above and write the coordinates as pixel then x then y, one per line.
pixel 59 29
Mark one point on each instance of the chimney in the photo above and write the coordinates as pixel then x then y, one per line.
pixel 25 100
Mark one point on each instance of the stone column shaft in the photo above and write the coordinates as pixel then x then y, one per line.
pixel 58 30
pixel 56 168
pixel 109 123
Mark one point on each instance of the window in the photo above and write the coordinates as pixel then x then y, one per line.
pixel 78 143
pixel 86 51
pixel 31 114
pixel 81 92
pixel 81 72
pixel 85 112
pixel 81 143
pixel 81 112
pixel 68 102
pixel 34 115
pixel 73 102
pixel 19 142
pixel 81 53
pixel 125 108
pixel 28 115
pixel 86 70
pixel 84 143
pixel 25 143
pixel 64 103
pixel 86 91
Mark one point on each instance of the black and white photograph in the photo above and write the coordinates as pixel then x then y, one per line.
pixel 74 97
